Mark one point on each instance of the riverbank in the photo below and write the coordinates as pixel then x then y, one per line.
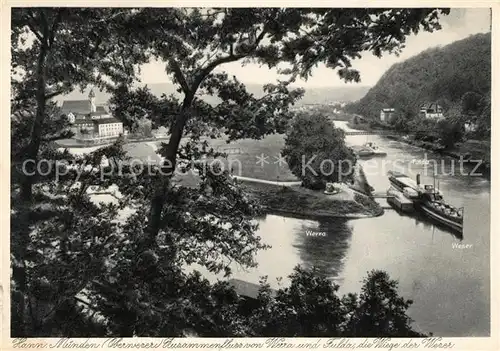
pixel 472 151
pixel 81 144
pixel 468 150
pixel 302 203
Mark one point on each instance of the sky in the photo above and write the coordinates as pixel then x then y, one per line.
pixel 459 24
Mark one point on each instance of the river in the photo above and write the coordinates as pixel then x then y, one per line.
pixel 449 286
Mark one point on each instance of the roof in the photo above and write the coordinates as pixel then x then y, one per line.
pixel 99 113
pixel 107 120
pixel 101 109
pixel 388 109
pixel 430 105
pixel 76 106
pixel 83 121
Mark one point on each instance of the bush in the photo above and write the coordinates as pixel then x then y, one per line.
pixel 450 132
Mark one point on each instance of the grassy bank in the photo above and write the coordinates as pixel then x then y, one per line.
pixel 300 202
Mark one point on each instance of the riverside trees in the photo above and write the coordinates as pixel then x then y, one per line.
pixel 316 152
pixel 131 269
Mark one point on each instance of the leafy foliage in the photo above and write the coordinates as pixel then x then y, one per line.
pixel 316 152
pixel 378 310
pixel 310 307
pixel 450 132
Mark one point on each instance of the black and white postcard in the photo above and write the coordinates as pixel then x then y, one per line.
pixel 246 177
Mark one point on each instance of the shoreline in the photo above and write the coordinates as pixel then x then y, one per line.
pixel 301 203
pixel 455 153
pixel 82 145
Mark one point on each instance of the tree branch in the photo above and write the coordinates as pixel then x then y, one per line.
pixel 32 28
pixel 45 25
pixel 53 94
pixel 55 24
pixel 226 59
pixel 111 17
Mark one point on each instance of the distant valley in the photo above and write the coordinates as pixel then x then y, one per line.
pixel 317 95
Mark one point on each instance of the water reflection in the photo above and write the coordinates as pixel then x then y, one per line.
pixel 323 245
pixel 428 224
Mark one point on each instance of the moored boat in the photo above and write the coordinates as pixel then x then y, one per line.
pixel 399 200
pixel 400 181
pixel 371 149
pixel 428 199
pixel 433 205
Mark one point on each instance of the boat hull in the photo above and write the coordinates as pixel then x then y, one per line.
pixel 420 203
pixel 440 218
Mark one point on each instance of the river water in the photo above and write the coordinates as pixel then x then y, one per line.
pixel 449 286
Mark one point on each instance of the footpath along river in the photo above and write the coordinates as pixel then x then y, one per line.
pixel 447 277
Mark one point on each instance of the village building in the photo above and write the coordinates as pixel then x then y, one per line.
pixel 90 121
pixel 108 127
pixel 470 126
pixel 386 114
pixel 431 111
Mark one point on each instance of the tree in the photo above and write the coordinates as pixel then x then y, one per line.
pixel 55 50
pixel 310 307
pixel 195 42
pixel 316 152
pixel 132 106
pixel 423 128
pixel 484 117
pixel 471 103
pixel 400 123
pixel 450 132
pixel 379 310
pixel 144 127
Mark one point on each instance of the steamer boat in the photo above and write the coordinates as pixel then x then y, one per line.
pixel 428 200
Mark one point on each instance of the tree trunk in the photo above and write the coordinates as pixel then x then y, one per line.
pixel 36 132
pixel 167 170
pixel 19 275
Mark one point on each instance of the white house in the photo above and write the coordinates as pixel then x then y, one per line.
pixel 431 110
pixel 470 126
pixel 386 114
pixel 108 127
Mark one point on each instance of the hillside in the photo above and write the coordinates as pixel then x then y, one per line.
pixel 320 95
pixel 440 75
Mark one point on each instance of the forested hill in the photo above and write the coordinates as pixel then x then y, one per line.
pixel 440 75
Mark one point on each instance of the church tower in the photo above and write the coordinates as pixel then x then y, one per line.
pixel 92 100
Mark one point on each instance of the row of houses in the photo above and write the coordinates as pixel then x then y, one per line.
pixel 430 111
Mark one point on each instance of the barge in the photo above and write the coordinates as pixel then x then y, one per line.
pixel 399 200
